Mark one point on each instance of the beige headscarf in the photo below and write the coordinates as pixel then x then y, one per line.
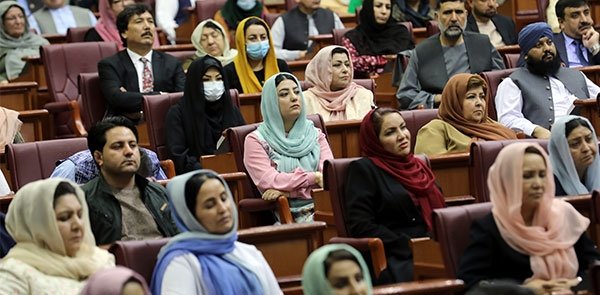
pixel 556 225
pixel 9 126
pixel 228 53
pixel 31 221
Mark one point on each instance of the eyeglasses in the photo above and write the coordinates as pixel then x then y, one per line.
pixel 14 18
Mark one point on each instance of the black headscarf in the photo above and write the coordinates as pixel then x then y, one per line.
pixel 371 38
pixel 204 121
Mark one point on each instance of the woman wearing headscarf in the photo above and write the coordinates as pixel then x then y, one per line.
pixel 194 125
pixel 336 269
pixel 573 150
pixel 333 94
pixel 390 193
pixel 256 61
pixel 530 237
pixel 118 280
pixel 10 125
pixel 55 250
pixel 462 119
pixel 206 258
pixel 376 39
pixel 16 41
pixel 209 38
pixel 285 154
pixel 235 11
pixel 418 12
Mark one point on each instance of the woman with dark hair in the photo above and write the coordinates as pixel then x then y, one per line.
pixel 206 258
pixel 530 239
pixel 256 61
pixel 235 11
pixel 336 269
pixel 573 150
pixel 284 155
pixel 209 39
pixel 390 193
pixel 195 123
pixel 376 40
pixel 55 250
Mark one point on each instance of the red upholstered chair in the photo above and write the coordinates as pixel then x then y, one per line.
pixel 452 227
pixel 33 161
pixel 91 100
pixel 77 34
pixel 482 156
pixel 416 119
pixel 270 18
pixel 140 256
pixel 432 28
pixel 493 79
pixel 63 63
pixel 206 9
pixel 511 60
pixel 256 210
pixel 338 34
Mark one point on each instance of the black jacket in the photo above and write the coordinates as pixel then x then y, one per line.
pixel 504 25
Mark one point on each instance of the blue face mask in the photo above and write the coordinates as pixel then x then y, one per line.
pixel 257 50
pixel 246 5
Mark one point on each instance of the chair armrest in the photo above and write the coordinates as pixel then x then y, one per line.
pixel 58 107
pixel 168 167
pixel 435 286
pixel 284 210
pixel 256 205
pixel 77 123
pixel 373 245
pixel 459 200
pixel 5 202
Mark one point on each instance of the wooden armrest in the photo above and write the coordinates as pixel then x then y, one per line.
pixel 373 245
pixel 18 85
pixel 58 106
pixel 36 60
pixel 436 286
pixel 321 38
pixel 298 63
pixel 55 38
pixel 590 102
pixel 168 167
pixel 256 205
pixel 459 200
pixel 40 120
pixel 77 123
pixel 248 235
pixel 5 202
pixel 449 160
pixel 176 47
pixel 285 215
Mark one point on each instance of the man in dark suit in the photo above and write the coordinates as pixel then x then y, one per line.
pixel 485 19
pixel 578 44
pixel 137 70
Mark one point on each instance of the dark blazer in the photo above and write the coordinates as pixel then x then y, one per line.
pixel 504 25
pixel 118 71
pixel 561 48
pixel 489 257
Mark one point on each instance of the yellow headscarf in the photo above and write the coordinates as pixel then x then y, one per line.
pixel 248 80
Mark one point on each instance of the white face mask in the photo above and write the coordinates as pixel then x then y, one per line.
pixel 213 90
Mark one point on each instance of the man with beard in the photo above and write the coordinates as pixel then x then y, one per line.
pixel 578 44
pixel 443 55
pixel 484 19
pixel 535 94
pixel 137 70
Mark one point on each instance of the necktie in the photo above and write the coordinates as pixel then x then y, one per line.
pixel 581 53
pixel 148 84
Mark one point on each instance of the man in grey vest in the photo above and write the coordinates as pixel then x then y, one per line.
pixel 540 90
pixel 57 16
pixel 290 31
pixel 443 55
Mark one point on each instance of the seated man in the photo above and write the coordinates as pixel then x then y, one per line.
pixel 533 96
pixel 57 16
pixel 484 19
pixel 122 204
pixel 126 76
pixel 81 167
pixel 290 32
pixel 443 55
pixel 578 43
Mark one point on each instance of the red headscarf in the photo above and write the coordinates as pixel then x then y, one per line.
pixel 411 172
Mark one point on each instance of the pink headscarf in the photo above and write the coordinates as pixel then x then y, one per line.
pixel 107 25
pixel 556 225
pixel 111 281
pixel 318 73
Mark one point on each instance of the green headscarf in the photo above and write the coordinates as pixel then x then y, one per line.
pixel 300 147
pixel 233 14
pixel 314 279
pixel 13 49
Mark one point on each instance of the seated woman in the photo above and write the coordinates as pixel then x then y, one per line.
pixel 256 61
pixel 194 125
pixel 376 40
pixel 462 119
pixel 418 12
pixel 285 155
pixel 235 11
pixel 209 39
pixel 206 258
pixel 530 238
pixel 55 250
pixel 16 41
pixel 336 269
pixel 333 94
pixel 573 150
pixel 390 193
pixel 116 281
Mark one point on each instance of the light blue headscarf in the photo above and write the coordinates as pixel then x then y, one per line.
pixel 300 147
pixel 562 162
pixel 221 273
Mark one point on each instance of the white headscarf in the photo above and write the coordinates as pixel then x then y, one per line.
pixel 228 53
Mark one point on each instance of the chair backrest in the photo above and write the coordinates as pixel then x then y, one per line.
pixel 493 79
pixel 91 100
pixel 452 227
pixel 270 18
pixel 33 161
pixel 432 28
pixel 415 120
pixel 595 277
pixel 482 156
pixel 140 256
pixel 77 34
pixel 155 112
pixel 206 9
pixel 511 60
pixel 338 34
